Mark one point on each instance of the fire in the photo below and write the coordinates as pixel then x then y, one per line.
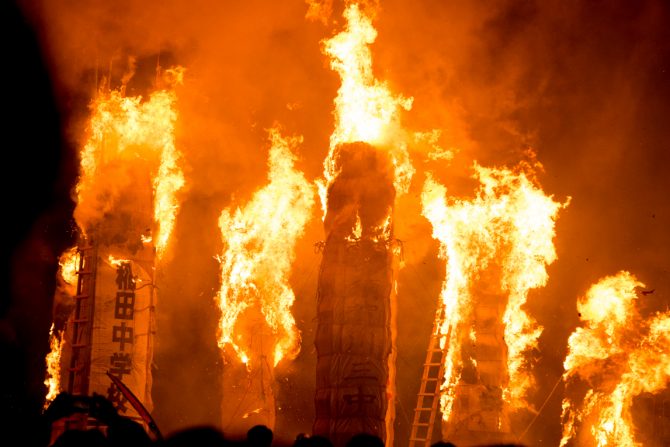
pixel 126 133
pixel 116 262
pixel 356 231
pixel 620 355
pixel 365 108
pixel 249 413
pixel 259 242
pixel 68 264
pixel 52 380
pixel 507 228
pixel 169 179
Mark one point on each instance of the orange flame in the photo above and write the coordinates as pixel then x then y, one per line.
pixel 259 242
pixel 365 108
pixel 356 231
pixel 52 380
pixel 510 224
pixel 117 262
pixel 68 264
pixel 128 131
pixel 620 355
pixel 319 10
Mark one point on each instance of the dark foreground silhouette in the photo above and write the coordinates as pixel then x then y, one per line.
pixel 120 431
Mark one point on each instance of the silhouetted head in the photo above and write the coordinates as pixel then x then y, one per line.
pixel 82 438
pixel 443 444
pixel 259 436
pixel 125 432
pixel 365 440
pixel 302 440
pixel 196 436
pixel 320 441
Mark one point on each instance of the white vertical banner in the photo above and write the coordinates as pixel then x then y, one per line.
pixel 122 332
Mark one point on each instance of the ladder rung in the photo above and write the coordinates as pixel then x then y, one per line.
pixel 421 424
pixel 432 364
pixel 423 409
pixel 83 296
pixel 428 394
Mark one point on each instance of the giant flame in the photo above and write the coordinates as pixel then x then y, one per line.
pixel 620 355
pixel 365 108
pixel 509 224
pixel 126 132
pixel 259 241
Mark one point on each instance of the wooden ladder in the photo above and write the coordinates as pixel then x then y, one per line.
pixel 82 327
pixel 429 392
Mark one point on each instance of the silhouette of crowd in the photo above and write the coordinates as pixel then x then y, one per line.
pixel 120 431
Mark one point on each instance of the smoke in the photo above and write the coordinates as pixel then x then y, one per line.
pixel 585 84
pixel 363 189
